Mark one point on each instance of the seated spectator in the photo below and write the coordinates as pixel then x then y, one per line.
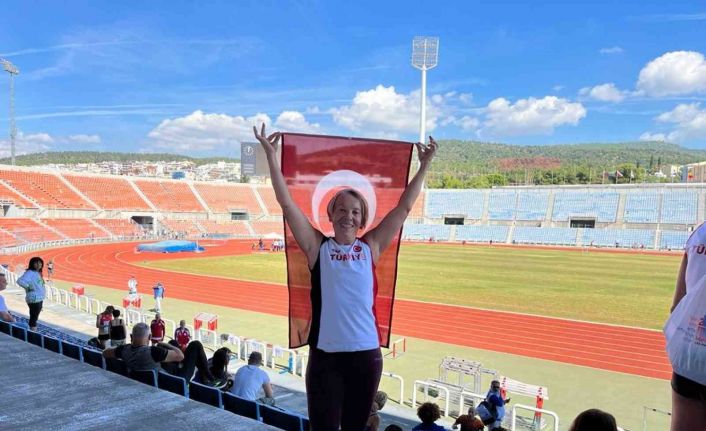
pixel 468 423
pixel 250 379
pixel 182 335
pixel 103 324
pixel 218 366
pixel 594 420
pixel 118 330
pixel 4 313
pixel 374 418
pixel 158 328
pixel 428 413
pixel 140 356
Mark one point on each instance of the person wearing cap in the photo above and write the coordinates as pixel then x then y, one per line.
pixel 495 399
pixel 4 313
pixel 250 379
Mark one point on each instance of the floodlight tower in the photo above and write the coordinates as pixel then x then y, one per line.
pixel 425 56
pixel 12 70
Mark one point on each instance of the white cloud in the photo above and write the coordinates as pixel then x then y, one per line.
pixel 648 136
pixel 611 50
pixel 200 131
pixel 674 73
pixel 466 98
pixel 468 123
pixel 84 139
pixel 25 144
pixel 531 116
pixel 690 122
pixel 382 111
pixel 604 92
pixel 294 121
pixel 557 88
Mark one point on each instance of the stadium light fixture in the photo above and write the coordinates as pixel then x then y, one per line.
pixel 425 56
pixel 12 70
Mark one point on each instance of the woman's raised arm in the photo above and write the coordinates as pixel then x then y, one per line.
pixel 308 238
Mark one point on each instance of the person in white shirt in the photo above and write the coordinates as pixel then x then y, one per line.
pixel 250 380
pixel 4 313
pixel 132 286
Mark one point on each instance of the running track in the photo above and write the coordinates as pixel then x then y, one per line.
pixel 615 348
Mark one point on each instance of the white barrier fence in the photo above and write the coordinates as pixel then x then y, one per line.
pixel 515 415
pixel 393 376
pixel 427 385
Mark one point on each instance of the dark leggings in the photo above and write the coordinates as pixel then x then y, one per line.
pixel 340 388
pixel 34 309
pixel 194 358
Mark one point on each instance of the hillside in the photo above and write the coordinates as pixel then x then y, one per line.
pixel 74 157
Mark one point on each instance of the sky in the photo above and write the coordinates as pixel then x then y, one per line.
pixel 193 77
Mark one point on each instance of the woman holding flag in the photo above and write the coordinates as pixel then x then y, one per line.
pixel 345 362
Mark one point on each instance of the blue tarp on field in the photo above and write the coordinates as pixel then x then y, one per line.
pixel 171 246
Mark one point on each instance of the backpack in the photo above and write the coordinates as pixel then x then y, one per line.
pixel 487 412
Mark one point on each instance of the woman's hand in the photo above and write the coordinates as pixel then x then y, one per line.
pixel 425 152
pixel 269 143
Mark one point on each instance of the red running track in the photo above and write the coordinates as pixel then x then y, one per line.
pixel 615 348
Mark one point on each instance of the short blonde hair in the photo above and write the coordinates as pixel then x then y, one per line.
pixel 355 194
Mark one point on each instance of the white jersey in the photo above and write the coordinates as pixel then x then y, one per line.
pixel 695 249
pixel 347 278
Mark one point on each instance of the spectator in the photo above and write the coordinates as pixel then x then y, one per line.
pixel 218 366
pixel 374 418
pixel 250 379
pixel 345 362
pixel 158 329
pixel 50 268
pixel 118 330
pixel 158 291
pixel 688 395
pixel 182 335
pixel 596 420
pixel 469 423
pixel 132 286
pixel 33 283
pixel 497 403
pixel 103 324
pixel 4 313
pixel 428 413
pixel 140 356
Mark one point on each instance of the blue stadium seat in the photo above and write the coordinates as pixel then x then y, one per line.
pixel 600 204
pixel 93 357
pixel 468 203
pixel 19 333
pixel 71 350
pixel 306 426
pixel 35 338
pixel 481 233
pixel 422 232
pixel 502 205
pixel 532 205
pixel 174 384
pixel 545 235
pixel 116 366
pixel 240 406
pixel 148 377
pixel 205 394
pixel 626 238
pixel 281 419
pixel 679 207
pixel 5 327
pixel 673 240
pixel 641 207
pixel 52 344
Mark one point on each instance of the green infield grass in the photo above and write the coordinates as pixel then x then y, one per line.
pixel 625 289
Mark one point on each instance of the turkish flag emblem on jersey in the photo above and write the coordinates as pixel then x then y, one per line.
pixel 315 169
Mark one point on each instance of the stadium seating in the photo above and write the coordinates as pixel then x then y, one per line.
pixel 35 338
pixel 268 197
pixel 188 227
pixel 53 344
pixel 173 384
pixel 240 406
pixel 501 205
pixel 19 333
pixel 532 205
pixel 28 230
pixel 76 228
pixel 641 207
pixel 171 196
pixel 602 205
pixel 108 193
pixel 545 235
pixel 205 394
pixel 93 357
pixel 148 377
pixel 222 198
pixel 627 238
pixel 7 239
pixel 673 240
pixel 679 207
pixel 481 233
pixel 45 189
pixel 236 228
pixel 264 227
pixel 11 196
pixel 71 350
pixel 423 232
pixel 281 419
pixel 468 203
pixel 119 227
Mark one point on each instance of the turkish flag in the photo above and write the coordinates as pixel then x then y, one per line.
pixel 315 168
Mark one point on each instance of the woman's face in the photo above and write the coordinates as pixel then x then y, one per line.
pixel 38 265
pixel 347 214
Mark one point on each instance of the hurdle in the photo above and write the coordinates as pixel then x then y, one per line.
pixel 647 410
pixel 399 347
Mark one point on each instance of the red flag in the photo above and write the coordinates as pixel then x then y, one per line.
pixel 315 168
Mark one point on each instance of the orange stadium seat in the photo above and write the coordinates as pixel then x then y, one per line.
pixel 223 198
pixel 28 230
pixel 45 189
pixel 9 195
pixel 76 228
pixel 170 195
pixel 265 227
pixel 182 226
pixel 119 227
pixel 108 193
pixel 268 197
pixel 230 227
pixel 7 239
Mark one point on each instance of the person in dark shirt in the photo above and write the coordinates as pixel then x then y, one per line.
pixel 428 413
